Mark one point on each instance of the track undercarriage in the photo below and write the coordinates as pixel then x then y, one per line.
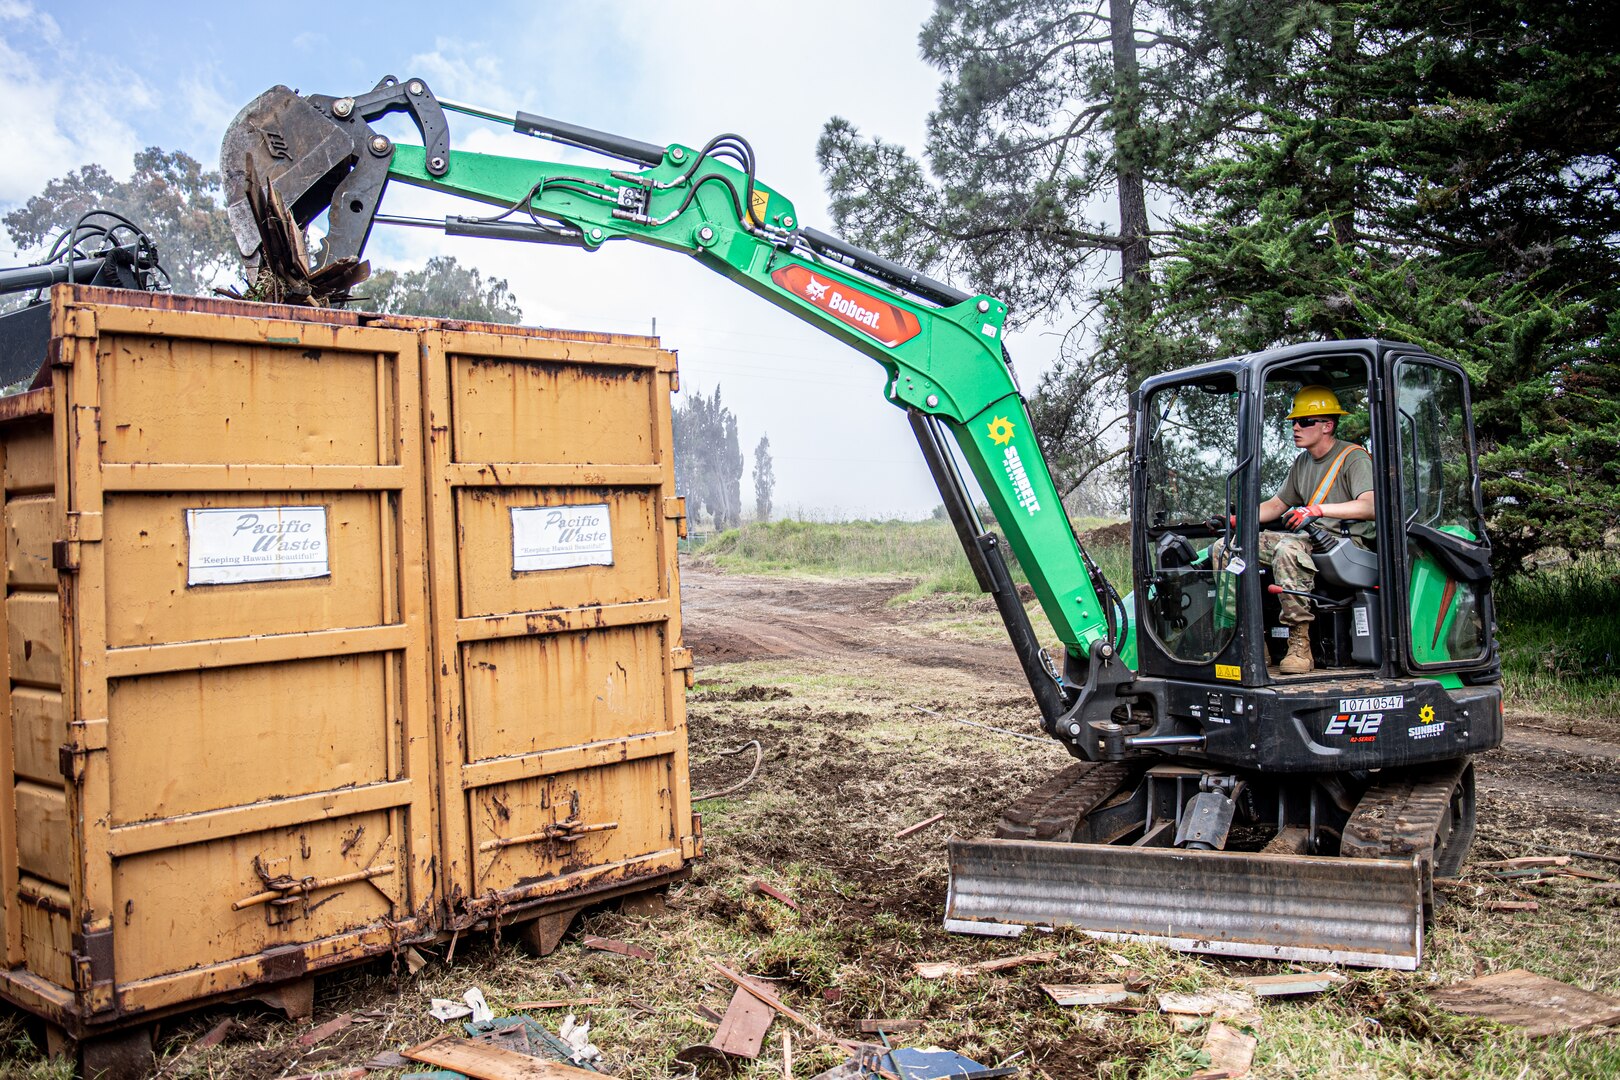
pixel 1336 868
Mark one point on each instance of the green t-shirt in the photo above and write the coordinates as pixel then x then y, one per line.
pixel 1351 469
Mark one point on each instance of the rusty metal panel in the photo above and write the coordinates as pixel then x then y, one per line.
pixel 234 899
pixel 38 730
pixel 148 601
pixel 30 529
pixel 44 845
pixel 232 782
pixel 489 585
pixel 563 751
pixel 529 694
pixel 30 466
pixel 586 824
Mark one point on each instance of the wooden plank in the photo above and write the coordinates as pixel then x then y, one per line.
pixel 1535 1003
pixel 742 1029
pixel 1287 985
pixel 888 1027
pixel 482 1061
pixel 613 945
pixel 1088 993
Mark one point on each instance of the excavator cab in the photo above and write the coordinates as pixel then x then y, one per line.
pixel 1404 595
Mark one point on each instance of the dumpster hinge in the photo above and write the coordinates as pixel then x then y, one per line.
pixel 93 967
pixel 83 527
pixel 680 659
pixel 675 507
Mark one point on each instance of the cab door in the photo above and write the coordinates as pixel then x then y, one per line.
pixel 1443 598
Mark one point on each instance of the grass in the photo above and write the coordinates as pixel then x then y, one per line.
pixel 1560 637
pixel 1558 630
pixel 926 550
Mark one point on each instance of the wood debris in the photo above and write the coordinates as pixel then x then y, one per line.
pixel 483 1061
pixel 1512 905
pixel 613 945
pixel 775 894
pixel 1290 984
pixel 888 1027
pixel 1535 1003
pixel 326 1030
pixel 945 968
pixel 1231 1053
pixel 559 1003
pixel 742 1029
pixel 1234 1005
pixel 216 1034
pixel 921 825
pixel 1525 862
pixel 1090 994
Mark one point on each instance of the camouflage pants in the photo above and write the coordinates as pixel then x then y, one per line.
pixel 1289 556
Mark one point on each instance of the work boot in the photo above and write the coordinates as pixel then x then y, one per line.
pixel 1298 661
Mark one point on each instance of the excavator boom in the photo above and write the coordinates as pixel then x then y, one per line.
pixel 941 350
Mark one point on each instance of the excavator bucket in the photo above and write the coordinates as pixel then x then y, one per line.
pixel 1359 912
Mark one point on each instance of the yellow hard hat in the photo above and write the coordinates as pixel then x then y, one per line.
pixel 1316 401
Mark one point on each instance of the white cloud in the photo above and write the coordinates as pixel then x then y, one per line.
pixel 60 123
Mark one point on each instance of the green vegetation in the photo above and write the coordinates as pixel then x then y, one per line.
pixel 1559 632
pixel 926 550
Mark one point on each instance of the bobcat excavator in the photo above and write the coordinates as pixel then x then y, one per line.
pixel 1214 805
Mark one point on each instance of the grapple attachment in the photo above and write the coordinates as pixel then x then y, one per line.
pixel 318 154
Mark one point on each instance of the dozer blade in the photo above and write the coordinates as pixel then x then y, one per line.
pixel 1360 912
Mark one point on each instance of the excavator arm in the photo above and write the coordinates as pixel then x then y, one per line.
pixel 941 350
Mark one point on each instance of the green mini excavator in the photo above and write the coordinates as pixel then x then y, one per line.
pixel 1214 804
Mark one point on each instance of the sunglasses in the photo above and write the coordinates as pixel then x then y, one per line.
pixel 1310 421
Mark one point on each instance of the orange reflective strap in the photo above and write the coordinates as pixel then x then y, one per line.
pixel 1332 474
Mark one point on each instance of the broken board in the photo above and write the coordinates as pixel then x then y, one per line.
pixel 482 1061
pixel 1536 1004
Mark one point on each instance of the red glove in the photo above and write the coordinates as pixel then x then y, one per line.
pixel 1296 517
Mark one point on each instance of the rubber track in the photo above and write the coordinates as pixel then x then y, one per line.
pixel 1400 817
pixel 1053 809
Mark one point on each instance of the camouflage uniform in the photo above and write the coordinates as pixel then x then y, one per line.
pixel 1289 556
pixel 1346 475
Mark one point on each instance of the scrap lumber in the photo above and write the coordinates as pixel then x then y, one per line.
pixel 1220 1004
pixel 921 825
pixel 1535 1003
pixel 742 1029
pixel 779 1005
pixel 558 1003
pixel 1069 995
pixel 1231 1053
pixel 949 967
pixel 216 1034
pixel 326 1030
pixel 614 945
pixel 875 1027
pixel 1512 905
pixel 1289 984
pixel 483 1061
pixel 775 894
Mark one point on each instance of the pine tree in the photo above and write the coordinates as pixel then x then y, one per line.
pixel 764 479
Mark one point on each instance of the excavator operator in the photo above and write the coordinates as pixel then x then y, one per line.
pixel 1330 480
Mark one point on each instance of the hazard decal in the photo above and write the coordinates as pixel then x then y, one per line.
pixel 878 319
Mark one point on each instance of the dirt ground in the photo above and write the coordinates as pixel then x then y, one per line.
pixel 854 703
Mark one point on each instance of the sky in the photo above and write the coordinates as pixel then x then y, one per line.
pixel 95 82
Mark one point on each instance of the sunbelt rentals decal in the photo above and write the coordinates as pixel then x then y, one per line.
pixel 1001 433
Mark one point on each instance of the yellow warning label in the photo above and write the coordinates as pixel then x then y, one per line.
pixel 1228 671
pixel 760 201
